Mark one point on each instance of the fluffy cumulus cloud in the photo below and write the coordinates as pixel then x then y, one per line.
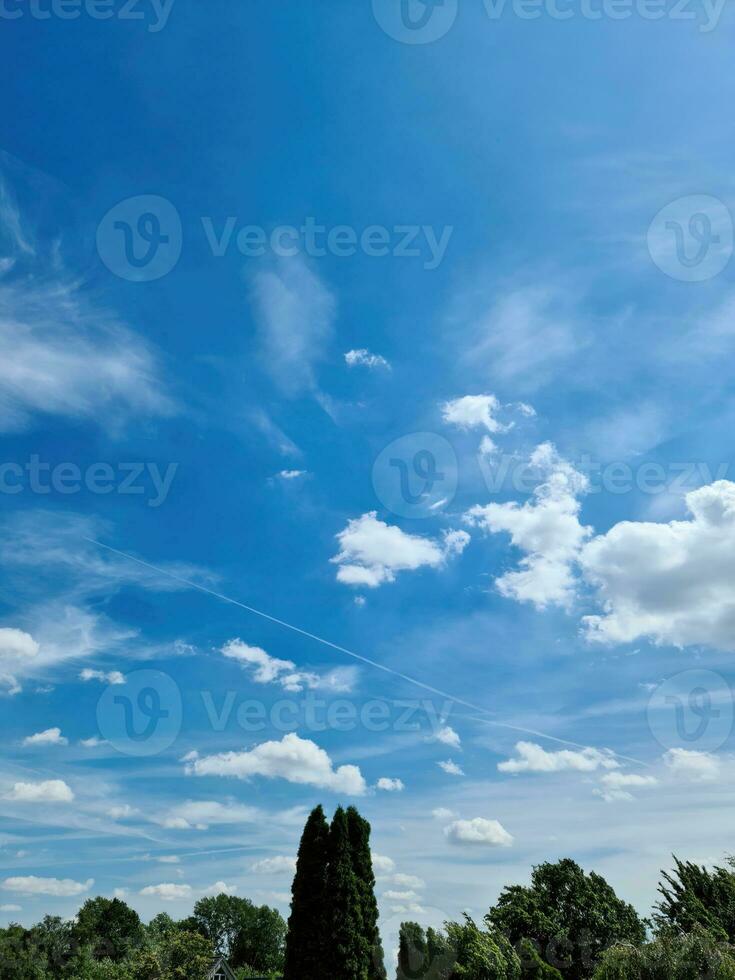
pixel 534 758
pixel 17 649
pixel 383 865
pixel 390 785
pixel 104 677
pixel 266 669
pixel 447 736
pixel 373 552
pixel 546 528
pixel 219 888
pixel 168 892
pixel 618 785
pixel 51 736
pixel 451 768
pixel 203 814
pixel 489 833
pixel 294 759
pixel 690 764
pixel 472 412
pixel 362 357
pixel 669 582
pixel 278 865
pixel 54 887
pixel 47 791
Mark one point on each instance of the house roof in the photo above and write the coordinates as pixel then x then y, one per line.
pixel 220 966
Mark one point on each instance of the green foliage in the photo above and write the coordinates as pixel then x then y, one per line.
pixel 570 916
pixel 307 936
pixel 260 940
pixel 413 954
pixel 347 954
pixel 692 896
pixel 670 958
pixel 362 865
pixel 481 954
pixel 533 966
pixel 110 927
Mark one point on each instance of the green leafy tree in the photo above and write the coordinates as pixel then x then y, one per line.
pixel 109 927
pixel 347 953
pixel 362 864
pixel 186 956
pixel 692 896
pixel 218 918
pixel 413 953
pixel 20 957
pixel 533 966
pixel 308 925
pixel 260 941
pixel 682 957
pixel 481 954
pixel 570 916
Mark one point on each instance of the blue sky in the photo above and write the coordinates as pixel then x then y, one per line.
pixel 258 264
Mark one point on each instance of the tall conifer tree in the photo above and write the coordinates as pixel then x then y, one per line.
pixel 348 950
pixel 362 864
pixel 309 931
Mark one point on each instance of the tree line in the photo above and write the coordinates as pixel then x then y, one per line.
pixel 108 941
pixel 565 925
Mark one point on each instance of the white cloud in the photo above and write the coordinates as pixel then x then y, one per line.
pixel 169 859
pixel 364 358
pixel 111 677
pixel 266 669
pixel 442 813
pixel 383 865
pixel 390 785
pixel 291 474
pixel 546 528
pixel 451 768
pixel 525 335
pixel 220 888
pixel 168 892
pixel 17 648
pixel 408 881
pixel 52 736
pixel 294 314
pixel 478 831
pixel 202 814
pixel 473 411
pixel 617 785
pixel 11 908
pixel 55 887
pixel 294 759
pixel 669 582
pixel 280 864
pixel 121 893
pixel 61 355
pixel 534 758
pixel 448 736
pixel 48 791
pixel 121 811
pixel 400 896
pixel 373 552
pixel 692 765
pixel 93 742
